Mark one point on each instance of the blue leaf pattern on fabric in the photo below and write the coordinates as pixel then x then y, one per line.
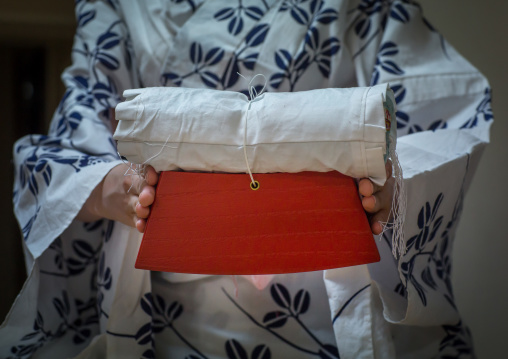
pixel 235 350
pixel 386 51
pixel 483 110
pixel 196 53
pixel 214 56
pixel 315 51
pixel 85 17
pixel 429 224
pixel 235 16
pixel 257 35
pixel 261 352
pixel 398 12
pixel 275 319
pixel 456 343
pixel 205 69
pixel 323 16
pixel 438 270
pixel 192 3
pixel 297 12
pixel 366 10
pixel 79 329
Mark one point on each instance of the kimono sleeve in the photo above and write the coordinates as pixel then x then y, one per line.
pixel 443 121
pixel 56 173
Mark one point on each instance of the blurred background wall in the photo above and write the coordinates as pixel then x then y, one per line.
pixel 479 31
pixel 35 42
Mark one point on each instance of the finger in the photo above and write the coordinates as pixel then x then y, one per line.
pixel 384 198
pixel 147 196
pixel 128 205
pixel 377 221
pixel 142 212
pixel 380 200
pixel 141 225
pixel 376 227
pixel 151 176
pixel 366 187
pixel 370 204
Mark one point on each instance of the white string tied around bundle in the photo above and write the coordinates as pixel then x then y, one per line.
pixel 254 96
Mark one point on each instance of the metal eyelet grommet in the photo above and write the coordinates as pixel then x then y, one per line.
pixel 254 185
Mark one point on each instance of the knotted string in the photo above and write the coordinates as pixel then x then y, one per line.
pixel 254 96
pixel 139 170
pixel 134 170
pixel 398 209
pixel 399 200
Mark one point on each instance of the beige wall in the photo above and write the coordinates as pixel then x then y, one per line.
pixel 479 31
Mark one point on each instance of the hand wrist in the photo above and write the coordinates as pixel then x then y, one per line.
pixel 91 210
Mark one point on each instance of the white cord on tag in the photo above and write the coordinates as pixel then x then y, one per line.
pixel 399 199
pixel 398 210
pixel 254 96
pixel 133 170
pixel 139 170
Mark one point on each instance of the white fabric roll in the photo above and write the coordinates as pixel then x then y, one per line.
pixel 203 130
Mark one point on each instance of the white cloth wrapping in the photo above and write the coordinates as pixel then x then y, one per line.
pixel 203 130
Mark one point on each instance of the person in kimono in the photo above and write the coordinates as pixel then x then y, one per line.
pixel 84 299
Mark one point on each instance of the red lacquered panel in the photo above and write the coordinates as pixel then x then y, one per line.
pixel 208 223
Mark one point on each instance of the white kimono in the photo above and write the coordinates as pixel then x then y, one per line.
pixel 83 298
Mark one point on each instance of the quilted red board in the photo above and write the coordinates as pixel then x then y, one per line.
pixel 207 223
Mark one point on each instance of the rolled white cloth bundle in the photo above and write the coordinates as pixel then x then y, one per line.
pixel 207 130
